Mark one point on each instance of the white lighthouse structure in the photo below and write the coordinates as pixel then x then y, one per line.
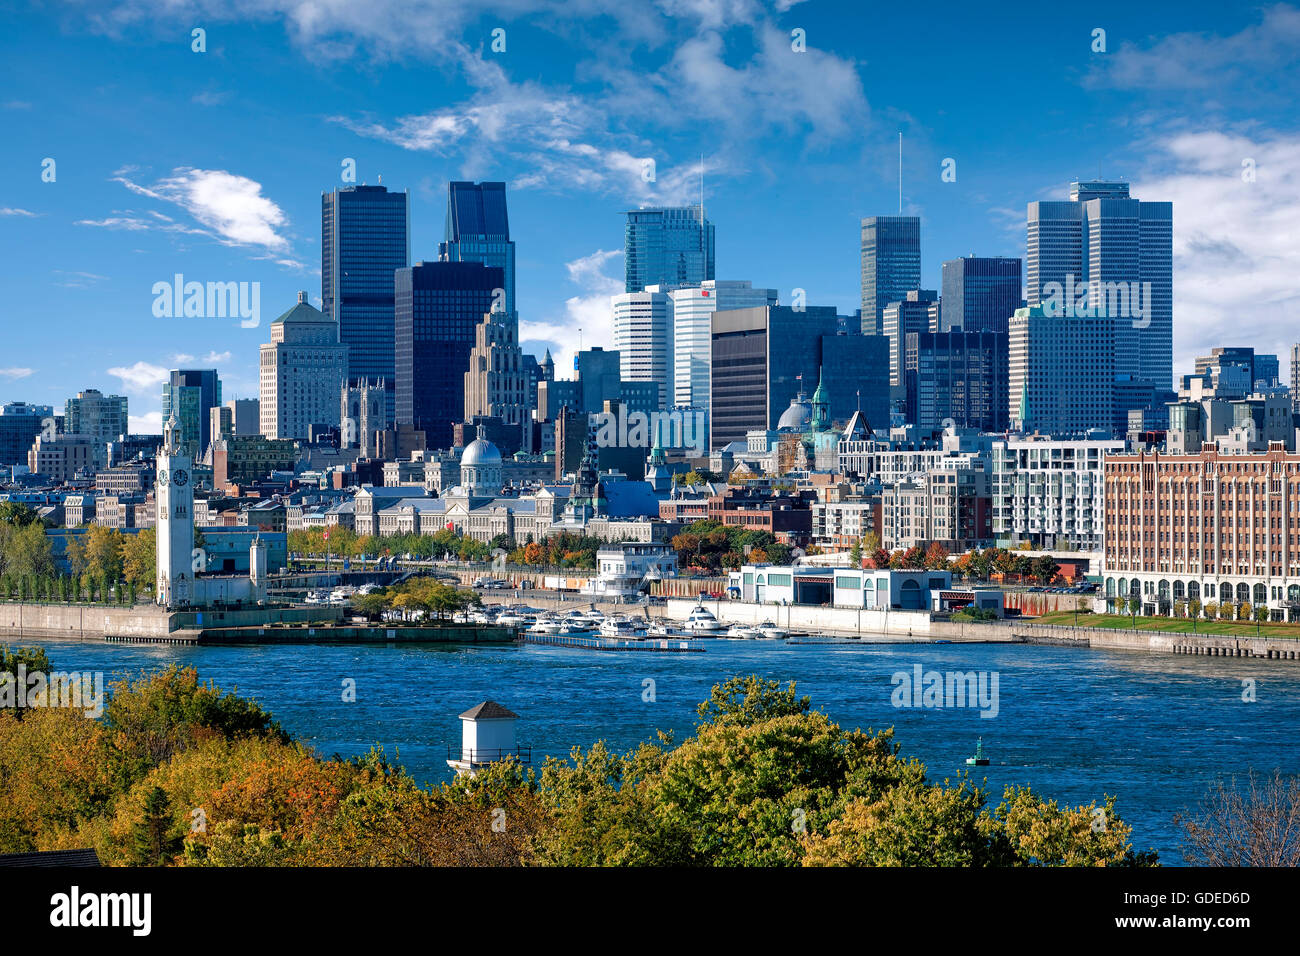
pixel 174 494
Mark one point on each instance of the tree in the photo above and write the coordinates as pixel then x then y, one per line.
pixel 1045 568
pixel 1254 825
pixel 1135 606
pixel 154 842
pixel 1244 610
pixel 1262 615
pixel 139 554
pixel 936 557
pixel 855 554
pixel 25 550
pixel 103 553
pixel 1194 608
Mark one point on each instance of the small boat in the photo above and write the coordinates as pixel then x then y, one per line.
pixel 702 621
pixel 742 632
pixel 545 626
pixel 621 627
pixel 979 760
pixel 659 629
pixel 771 632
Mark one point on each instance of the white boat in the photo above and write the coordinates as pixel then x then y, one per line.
pixel 660 629
pixel 622 627
pixel 742 632
pixel 546 626
pixel 772 632
pixel 702 621
pixel 578 624
pixel 513 619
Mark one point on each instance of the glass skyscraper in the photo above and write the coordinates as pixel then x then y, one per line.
pixel 891 265
pixel 190 395
pixel 478 230
pixel 1121 250
pixel 438 305
pixel 979 294
pixel 365 238
pixel 668 246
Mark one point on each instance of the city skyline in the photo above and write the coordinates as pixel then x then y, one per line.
pixel 145 205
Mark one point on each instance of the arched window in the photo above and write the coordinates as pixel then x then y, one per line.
pixel 1194 590
pixel 1261 594
pixel 1243 593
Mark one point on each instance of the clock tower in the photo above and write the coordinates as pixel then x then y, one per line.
pixel 174 495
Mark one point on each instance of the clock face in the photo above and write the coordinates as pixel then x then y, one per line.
pixel 180 477
pixel 162 477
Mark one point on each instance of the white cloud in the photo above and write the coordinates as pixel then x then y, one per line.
pixel 587 320
pixel 140 377
pixel 1236 246
pixel 15 372
pixel 150 423
pixel 182 358
pixel 216 358
pixel 231 207
pixel 12 211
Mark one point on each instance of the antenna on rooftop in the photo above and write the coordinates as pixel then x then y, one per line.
pixel 900 172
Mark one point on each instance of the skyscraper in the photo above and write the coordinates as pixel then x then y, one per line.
pixel 365 237
pixel 643 336
pixel 301 372
pixel 478 230
pixel 958 375
pixel 190 395
pixel 916 311
pixel 438 307
pixel 1061 372
pixel 1105 251
pixel 979 294
pixel 670 246
pixel 692 310
pixel 99 417
pixel 891 265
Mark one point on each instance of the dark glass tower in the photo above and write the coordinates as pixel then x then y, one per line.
pixel 190 394
pixel 365 237
pixel 979 294
pixel 667 246
pixel 438 305
pixel 891 265
pixel 478 230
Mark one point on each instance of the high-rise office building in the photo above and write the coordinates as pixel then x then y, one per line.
pixel 190 395
pixel 891 265
pixel 99 417
pixel 643 336
pixel 669 246
pixel 692 312
pixel 1261 369
pixel 301 373
pixel 1061 372
pixel 1295 378
pixel 499 383
pixel 1105 252
pixel 957 375
pixel 478 230
pixel 979 293
pixel 763 356
pixel 438 307
pixel 20 423
pixel 917 311
pixel 365 237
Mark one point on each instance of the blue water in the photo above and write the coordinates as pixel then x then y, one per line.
pixel 1154 730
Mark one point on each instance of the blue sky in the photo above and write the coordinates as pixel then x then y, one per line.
pixel 211 164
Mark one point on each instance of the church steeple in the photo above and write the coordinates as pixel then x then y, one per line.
pixel 821 412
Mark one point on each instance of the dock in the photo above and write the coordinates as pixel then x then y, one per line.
pixel 669 645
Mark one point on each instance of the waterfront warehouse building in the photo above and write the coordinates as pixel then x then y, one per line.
pixel 1209 527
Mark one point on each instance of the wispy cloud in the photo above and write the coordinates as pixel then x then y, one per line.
pixel 1205 61
pixel 78 280
pixel 13 211
pixel 14 372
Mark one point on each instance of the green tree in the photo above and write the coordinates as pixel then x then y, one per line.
pixel 154 841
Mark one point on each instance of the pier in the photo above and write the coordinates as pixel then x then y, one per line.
pixel 670 645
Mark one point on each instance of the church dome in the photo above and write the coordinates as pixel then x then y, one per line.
pixel 480 452
pixel 798 417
